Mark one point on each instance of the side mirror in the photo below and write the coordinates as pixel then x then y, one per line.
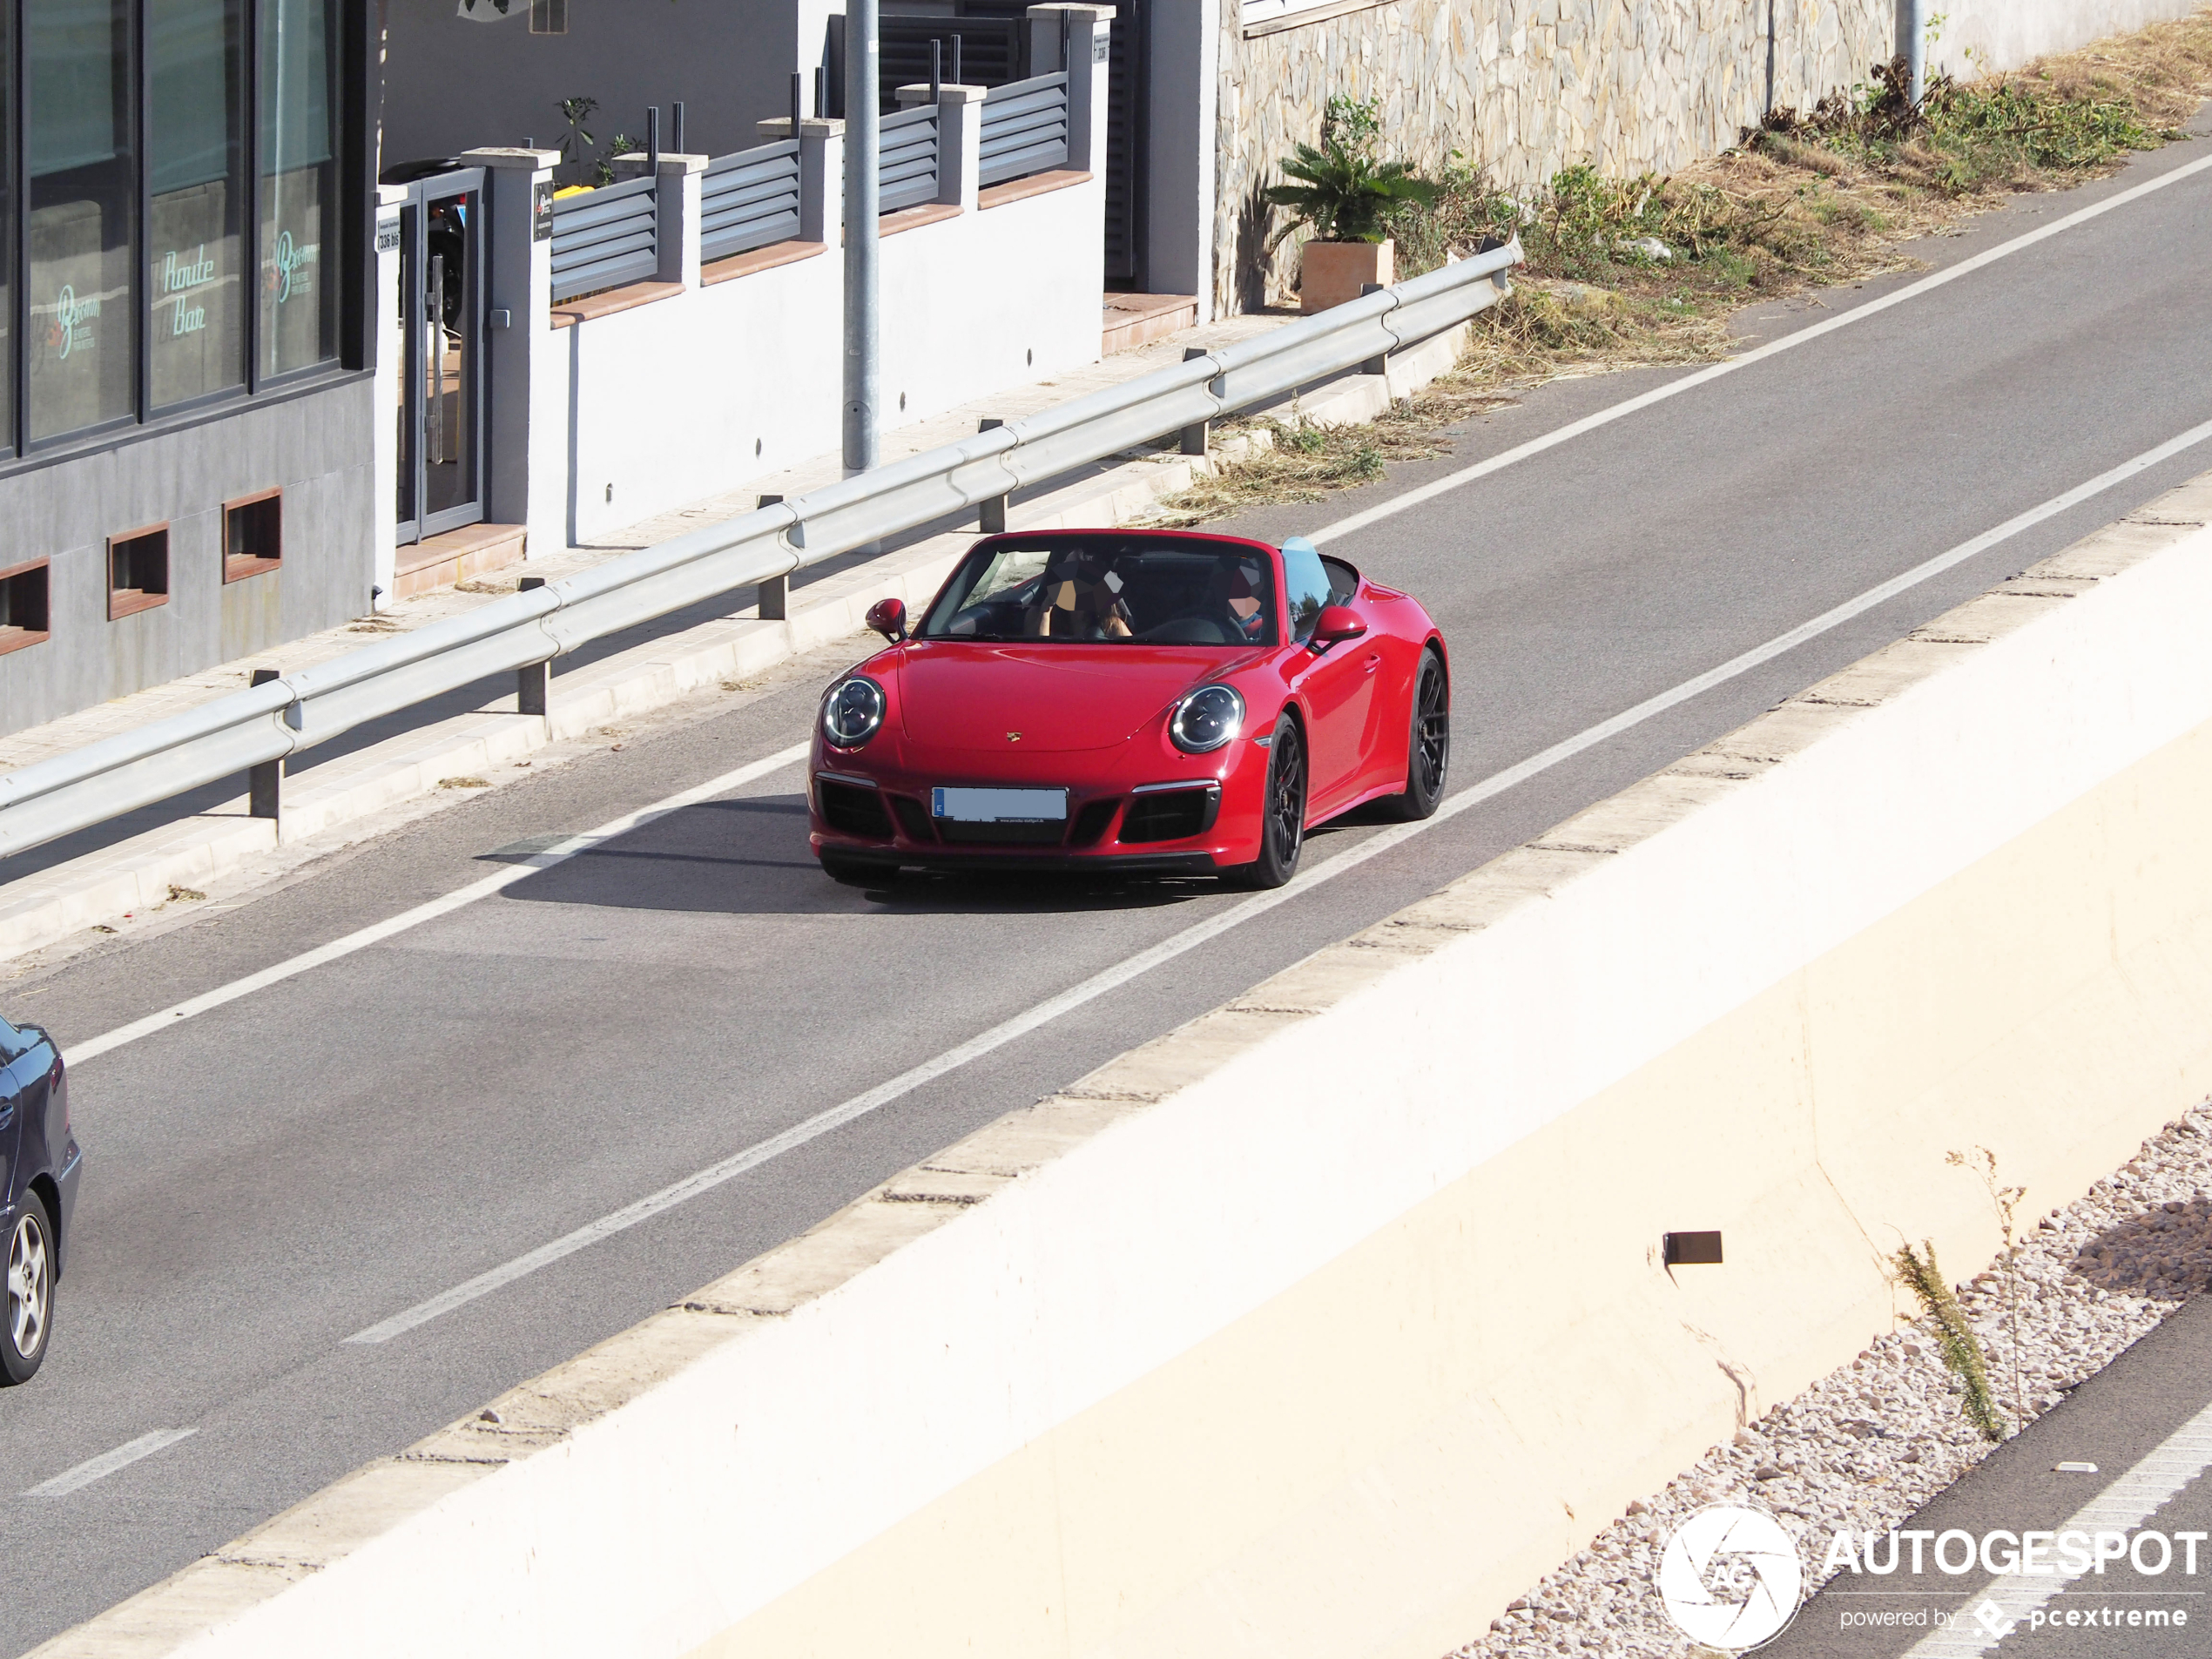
pixel 1335 624
pixel 888 617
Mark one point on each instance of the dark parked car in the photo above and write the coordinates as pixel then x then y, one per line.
pixel 38 1167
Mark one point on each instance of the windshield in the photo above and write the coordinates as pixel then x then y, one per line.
pixel 1106 589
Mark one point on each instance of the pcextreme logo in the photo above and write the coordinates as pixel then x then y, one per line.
pixel 1729 1578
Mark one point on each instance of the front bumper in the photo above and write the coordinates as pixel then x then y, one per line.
pixel 869 811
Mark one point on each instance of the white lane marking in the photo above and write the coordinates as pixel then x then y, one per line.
pixel 559 852
pixel 107 1463
pixel 2129 1502
pixel 1789 342
pixel 1235 915
pixel 1343 527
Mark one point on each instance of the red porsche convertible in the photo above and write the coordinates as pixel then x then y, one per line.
pixel 1145 700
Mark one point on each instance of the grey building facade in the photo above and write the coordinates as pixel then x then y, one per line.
pixel 186 292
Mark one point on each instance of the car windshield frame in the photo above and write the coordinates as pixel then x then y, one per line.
pixel 1125 588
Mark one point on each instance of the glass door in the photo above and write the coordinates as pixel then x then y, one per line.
pixel 440 366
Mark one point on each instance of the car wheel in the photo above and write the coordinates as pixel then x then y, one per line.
pixel 1428 750
pixel 27 1317
pixel 1282 829
pixel 858 872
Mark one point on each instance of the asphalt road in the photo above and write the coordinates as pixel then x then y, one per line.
pixel 276 1175
pixel 2112 1422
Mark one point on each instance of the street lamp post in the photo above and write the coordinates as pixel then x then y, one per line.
pixel 863 345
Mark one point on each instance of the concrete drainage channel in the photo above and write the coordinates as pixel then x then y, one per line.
pixel 1333 1320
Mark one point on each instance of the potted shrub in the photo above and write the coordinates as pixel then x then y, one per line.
pixel 1344 196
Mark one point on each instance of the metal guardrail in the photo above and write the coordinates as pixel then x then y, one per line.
pixel 1025 129
pixel 606 238
pixel 905 167
pixel 748 201
pixel 65 793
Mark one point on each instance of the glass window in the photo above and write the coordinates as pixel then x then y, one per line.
pixel 1305 586
pixel 196 185
pixel 1090 589
pixel 83 186
pixel 299 204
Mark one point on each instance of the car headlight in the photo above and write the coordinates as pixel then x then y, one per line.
pixel 852 710
pixel 1205 719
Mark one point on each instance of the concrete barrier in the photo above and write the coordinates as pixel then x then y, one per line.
pixel 1329 1322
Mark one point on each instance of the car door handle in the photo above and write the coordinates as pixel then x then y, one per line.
pixel 1374 661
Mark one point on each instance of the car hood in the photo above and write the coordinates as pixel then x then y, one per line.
pixel 1059 698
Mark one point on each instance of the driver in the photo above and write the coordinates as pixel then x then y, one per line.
pixel 1237 601
pixel 1078 597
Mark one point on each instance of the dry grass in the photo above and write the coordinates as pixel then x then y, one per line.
pixel 1810 199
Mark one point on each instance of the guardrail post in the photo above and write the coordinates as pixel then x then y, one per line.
pixel 773 596
pixel 1374 365
pixel 1074 37
pixel 532 679
pixel 959 137
pixel 991 512
pixel 676 210
pixel 264 783
pixel 526 459
pixel 1198 435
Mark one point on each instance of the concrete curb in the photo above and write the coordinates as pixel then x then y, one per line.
pixel 227 1603
pixel 137 874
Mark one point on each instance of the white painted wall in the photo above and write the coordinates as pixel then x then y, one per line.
pixel 698 393
pixel 1978 36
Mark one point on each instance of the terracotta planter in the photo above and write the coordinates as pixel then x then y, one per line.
pixel 1333 272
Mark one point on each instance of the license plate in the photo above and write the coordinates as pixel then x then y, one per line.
pixel 1000 805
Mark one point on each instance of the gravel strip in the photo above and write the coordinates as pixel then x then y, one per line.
pixel 1871 1442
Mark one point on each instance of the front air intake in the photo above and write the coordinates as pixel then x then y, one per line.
pixel 1171 814
pixel 851 810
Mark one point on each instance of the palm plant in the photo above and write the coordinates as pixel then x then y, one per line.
pixel 1343 192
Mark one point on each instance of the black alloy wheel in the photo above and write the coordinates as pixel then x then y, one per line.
pixel 1428 750
pixel 27 1309
pixel 1282 833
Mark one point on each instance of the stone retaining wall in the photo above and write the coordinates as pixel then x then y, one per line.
pixel 1527 87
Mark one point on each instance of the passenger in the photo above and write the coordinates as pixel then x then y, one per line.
pixel 1079 598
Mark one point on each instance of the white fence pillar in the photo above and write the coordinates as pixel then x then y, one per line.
pixel 527 382
pixel 1084 29
pixel 959 137
pixel 821 173
pixel 676 206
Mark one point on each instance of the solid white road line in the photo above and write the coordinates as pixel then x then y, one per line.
pixel 1258 905
pixel 1429 491
pixel 1789 342
pixel 1992 1613
pixel 107 1463
pixel 560 853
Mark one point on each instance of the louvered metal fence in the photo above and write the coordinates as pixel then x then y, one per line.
pixel 606 238
pixel 748 201
pixel 1025 129
pixel 906 159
